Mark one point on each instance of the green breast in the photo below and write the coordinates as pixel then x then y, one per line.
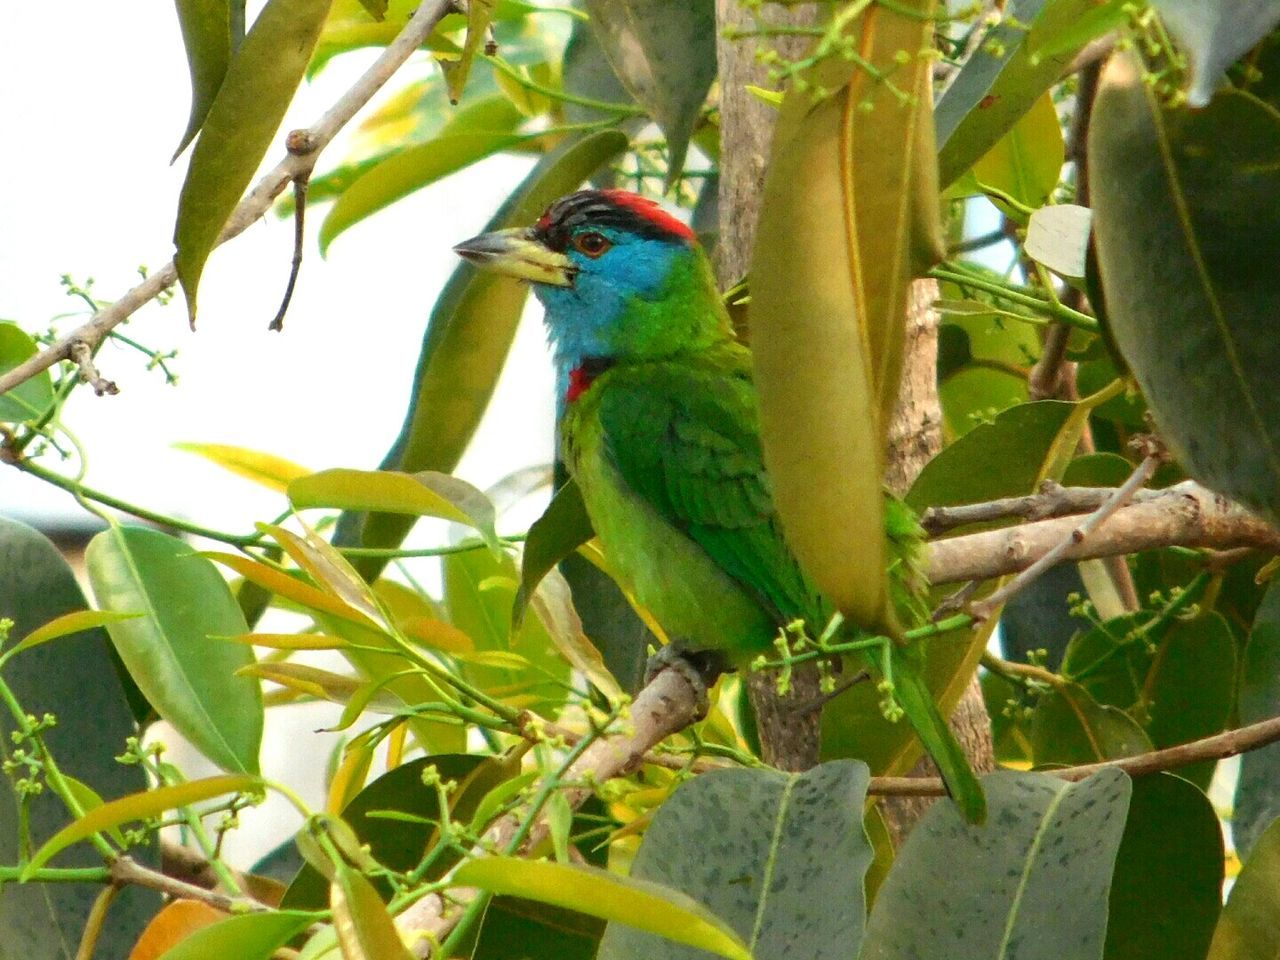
pixel 693 599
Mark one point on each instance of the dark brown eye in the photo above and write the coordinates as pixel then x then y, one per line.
pixel 592 244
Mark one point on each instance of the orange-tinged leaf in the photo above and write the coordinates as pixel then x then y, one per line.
pixel 173 924
pixel 290 588
pixel 319 683
pixel 553 604
pixel 264 468
pixel 329 569
pixel 598 893
pixel 139 806
pixel 437 635
pixel 250 936
pixel 349 778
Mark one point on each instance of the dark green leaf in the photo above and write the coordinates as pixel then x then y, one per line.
pixel 1039 617
pixel 1070 727
pixel 190 679
pixel 561 529
pixel 239 127
pixel 785 871
pixel 1184 215
pixel 1002 80
pixel 1031 883
pixel 1249 928
pixel 29 399
pixel 206 34
pixel 665 54
pixel 609 621
pixel 74 679
pixel 466 344
pixel 542 932
pixel 1257 801
pixel 1167 888
pixel 1215 33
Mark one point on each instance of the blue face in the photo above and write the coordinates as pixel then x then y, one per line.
pixel 615 268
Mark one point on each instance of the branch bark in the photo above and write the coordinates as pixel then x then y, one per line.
pixel 306 146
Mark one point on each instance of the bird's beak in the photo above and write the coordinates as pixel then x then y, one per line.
pixel 518 253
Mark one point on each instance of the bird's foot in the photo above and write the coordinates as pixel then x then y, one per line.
pixel 700 668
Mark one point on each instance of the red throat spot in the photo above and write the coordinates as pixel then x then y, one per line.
pixel 649 210
pixel 580 381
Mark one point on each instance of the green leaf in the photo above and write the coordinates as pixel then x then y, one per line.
pixel 1257 799
pixel 400 843
pixel 29 399
pixel 586 73
pixel 466 344
pixel 761 874
pixel 410 169
pixel 665 55
pixel 1002 80
pixel 239 127
pixel 139 806
pixel 1249 928
pixel 638 903
pixel 543 932
pixel 563 527
pixel 425 494
pixel 1032 883
pixel 76 680
pixel 206 34
pixel 1070 727
pixel 272 472
pixel 251 936
pixel 189 679
pixel 1167 888
pixel 1214 34
pixel 1184 217
pixel 67 625
pixel 1026 161
pixel 479 17
pixel 365 929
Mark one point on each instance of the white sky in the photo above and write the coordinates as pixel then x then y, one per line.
pixel 90 116
pixel 89 125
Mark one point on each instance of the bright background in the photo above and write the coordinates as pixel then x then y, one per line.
pixel 86 188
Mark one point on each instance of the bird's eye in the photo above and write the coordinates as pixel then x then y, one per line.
pixel 592 244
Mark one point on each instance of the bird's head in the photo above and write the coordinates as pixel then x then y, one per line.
pixel 618 275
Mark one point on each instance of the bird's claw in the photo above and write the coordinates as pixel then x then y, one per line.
pixel 700 668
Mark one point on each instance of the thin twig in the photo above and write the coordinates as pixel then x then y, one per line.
pixel 127 870
pixel 1119 497
pixel 1053 500
pixel 256 202
pixel 299 227
pixel 82 354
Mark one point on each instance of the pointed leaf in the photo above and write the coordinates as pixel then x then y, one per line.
pixel 563 527
pixel 553 604
pixel 323 684
pixel 206 34
pixel 139 806
pixel 29 399
pixel 267 469
pixel 289 587
pixel 466 344
pixel 329 569
pixel 66 625
pixel 1026 161
pixel 479 17
pixel 1184 213
pixel 1032 882
pixel 425 494
pixel 1010 70
pixel 761 875
pixel 1249 928
pixel 253 936
pixel 638 903
pixel 189 679
pixel 664 54
pixel 365 929
pixel 239 127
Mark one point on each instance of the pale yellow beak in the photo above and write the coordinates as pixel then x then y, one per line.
pixel 518 253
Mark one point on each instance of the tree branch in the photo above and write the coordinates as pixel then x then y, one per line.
pixel 1185 515
pixel 296 163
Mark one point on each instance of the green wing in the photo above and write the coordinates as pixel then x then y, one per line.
pixel 685 437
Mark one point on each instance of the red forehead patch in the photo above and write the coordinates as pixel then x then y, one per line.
pixel 649 210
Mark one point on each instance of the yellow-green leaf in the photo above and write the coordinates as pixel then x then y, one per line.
pixel 286 586
pixel 138 806
pixel 206 35
pixel 1027 160
pixel 599 893
pixel 67 624
pixel 242 121
pixel 267 469
pixel 291 641
pixel 479 16
pixel 329 569
pixel 365 929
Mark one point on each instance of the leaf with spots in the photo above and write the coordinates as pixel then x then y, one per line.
pixel 779 857
pixel 1031 884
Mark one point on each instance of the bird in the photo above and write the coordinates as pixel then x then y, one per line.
pixel 659 429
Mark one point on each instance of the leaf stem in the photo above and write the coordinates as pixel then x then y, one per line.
pixel 962 278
